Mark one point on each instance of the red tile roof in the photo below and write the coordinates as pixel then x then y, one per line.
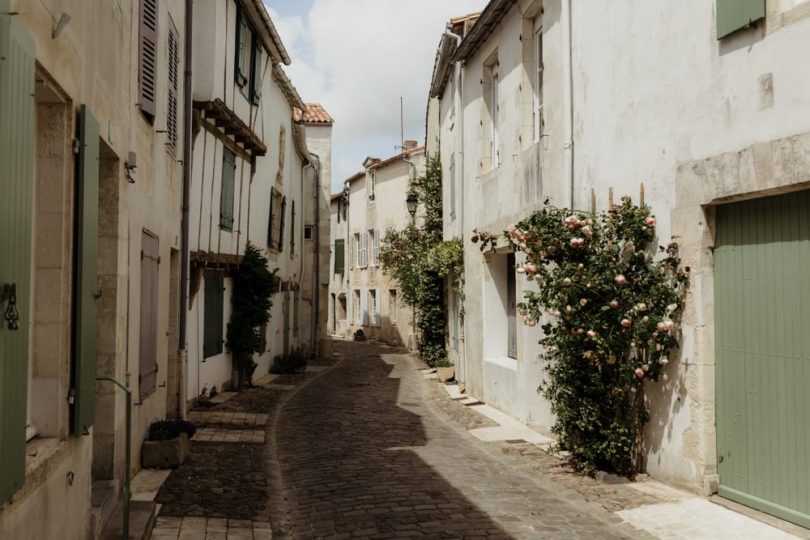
pixel 315 114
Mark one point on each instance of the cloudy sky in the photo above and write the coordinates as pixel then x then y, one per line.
pixel 357 57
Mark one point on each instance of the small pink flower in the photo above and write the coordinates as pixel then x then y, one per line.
pixel 580 331
pixel 661 326
pixel 627 323
pixel 620 280
pixel 664 361
pixel 531 268
pixel 614 304
pixel 567 282
pixel 591 334
pixel 511 227
pixel 650 221
pixel 586 230
pixel 639 373
pixel 583 302
pixel 645 367
pixel 669 325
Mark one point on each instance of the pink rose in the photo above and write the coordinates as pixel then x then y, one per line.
pixel 646 367
pixel 661 326
pixel 583 302
pixel 511 227
pixel 530 268
pixel 639 373
pixel 614 304
pixel 650 221
pixel 669 325
pixel 620 280
pixel 591 334
pixel 627 323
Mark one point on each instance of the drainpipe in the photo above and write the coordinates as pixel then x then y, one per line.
pixel 568 98
pixel 457 98
pixel 316 303
pixel 183 350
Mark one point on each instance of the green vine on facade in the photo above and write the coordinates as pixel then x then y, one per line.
pixel 414 256
pixel 254 284
pixel 610 305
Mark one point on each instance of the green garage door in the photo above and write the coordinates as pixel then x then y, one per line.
pixel 762 306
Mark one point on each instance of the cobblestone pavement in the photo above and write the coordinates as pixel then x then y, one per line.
pixel 363 451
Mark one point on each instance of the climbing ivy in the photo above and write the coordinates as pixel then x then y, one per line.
pixel 414 257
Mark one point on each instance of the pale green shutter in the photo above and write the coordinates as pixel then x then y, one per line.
pixel 16 207
pixel 340 256
pixel 256 71
pixel 226 194
pixel 213 316
pixel 281 225
pixel 735 14
pixel 86 278
pixel 270 219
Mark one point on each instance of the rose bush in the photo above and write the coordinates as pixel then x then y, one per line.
pixel 609 303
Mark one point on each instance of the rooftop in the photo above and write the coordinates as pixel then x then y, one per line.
pixel 314 114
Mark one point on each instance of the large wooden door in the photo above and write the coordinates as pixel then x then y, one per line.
pixel 762 307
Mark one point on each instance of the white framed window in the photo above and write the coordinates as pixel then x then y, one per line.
pixel 490 114
pixel 357 258
pixel 358 315
pixel 538 118
pixel 372 184
pixel 392 306
pixel 374 240
pixel 372 307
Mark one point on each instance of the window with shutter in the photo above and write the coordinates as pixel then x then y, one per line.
pixel 226 193
pixel 292 229
pixel 173 89
pixel 372 308
pixel 270 219
pixel 213 316
pixel 281 224
pixel 150 257
pixel 732 15
pixel 377 308
pixel 340 256
pixel 376 248
pixel 17 130
pixel 242 43
pixel 147 57
pixel 256 71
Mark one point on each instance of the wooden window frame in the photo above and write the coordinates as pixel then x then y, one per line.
pixel 173 88
pixel 214 344
pixel 226 217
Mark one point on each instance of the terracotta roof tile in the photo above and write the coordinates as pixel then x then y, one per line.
pixel 315 114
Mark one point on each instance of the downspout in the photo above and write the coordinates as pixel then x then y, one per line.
pixel 316 309
pixel 413 222
pixel 568 99
pixel 184 248
pixel 457 98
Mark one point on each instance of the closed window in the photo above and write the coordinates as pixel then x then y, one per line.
pixel 392 306
pixel 256 71
pixel 275 221
pixel 490 121
pixel 147 58
pixel 173 90
pixel 150 259
pixel 372 308
pixel 340 256
pixel 226 193
pixel 374 246
pixel 538 81
pixel 213 316
pixel 243 42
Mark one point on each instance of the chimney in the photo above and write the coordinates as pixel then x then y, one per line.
pixel 409 145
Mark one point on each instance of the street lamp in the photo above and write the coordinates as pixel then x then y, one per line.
pixel 411 202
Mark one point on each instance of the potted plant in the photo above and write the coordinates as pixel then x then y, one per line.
pixel 166 445
pixel 445 371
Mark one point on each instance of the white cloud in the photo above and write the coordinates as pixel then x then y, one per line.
pixel 357 57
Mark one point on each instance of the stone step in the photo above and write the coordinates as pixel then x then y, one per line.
pixel 103 499
pixel 142 515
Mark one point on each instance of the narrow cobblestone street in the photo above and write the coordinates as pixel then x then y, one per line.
pixel 361 452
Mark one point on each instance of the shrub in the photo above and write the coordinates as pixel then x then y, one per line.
pixel 611 305
pixel 294 362
pixel 165 430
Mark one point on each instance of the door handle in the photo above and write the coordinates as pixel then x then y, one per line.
pixel 11 314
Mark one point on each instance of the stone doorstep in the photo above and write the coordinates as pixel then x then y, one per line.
pixel 147 482
pixel 225 435
pixel 202 418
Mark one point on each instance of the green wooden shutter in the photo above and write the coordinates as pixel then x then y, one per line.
pixel 735 14
pixel 86 275
pixel 213 316
pixel 340 256
pixel 292 229
pixel 256 71
pixel 16 206
pixel 240 74
pixel 270 219
pixel 281 224
pixel 226 194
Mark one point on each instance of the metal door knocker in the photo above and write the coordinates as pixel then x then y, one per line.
pixel 11 314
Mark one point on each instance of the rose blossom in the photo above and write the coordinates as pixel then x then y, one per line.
pixel 639 373
pixel 567 282
pixel 646 367
pixel 669 325
pixel 583 302
pixel 650 221
pixel 614 304
pixel 530 322
pixel 627 323
pixel 620 280
pixel 664 361
pixel 661 327
pixel 591 334
pixel 530 268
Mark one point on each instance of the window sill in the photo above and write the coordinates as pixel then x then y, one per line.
pixel 42 456
pixel 503 361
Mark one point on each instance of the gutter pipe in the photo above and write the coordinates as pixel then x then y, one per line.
pixel 184 224
pixel 568 99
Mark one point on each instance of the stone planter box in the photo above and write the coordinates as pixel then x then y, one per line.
pixel 168 454
pixel 444 374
